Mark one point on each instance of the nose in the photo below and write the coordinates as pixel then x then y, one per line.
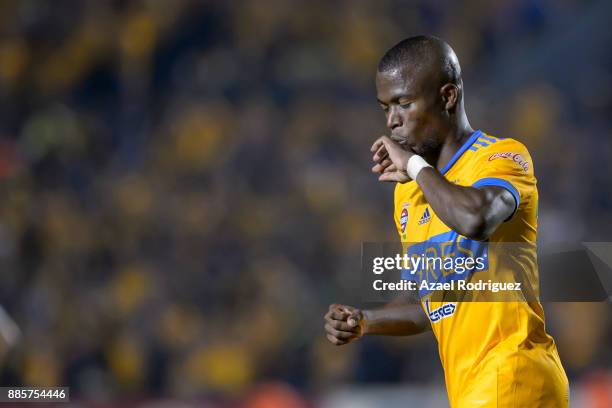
pixel 393 118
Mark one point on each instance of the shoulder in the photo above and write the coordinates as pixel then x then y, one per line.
pixel 503 150
pixel 489 143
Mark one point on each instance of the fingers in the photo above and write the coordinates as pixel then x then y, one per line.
pixel 385 148
pixel 390 160
pixel 381 154
pixel 387 171
pixel 382 166
pixel 339 338
pixel 383 140
pixel 377 144
pixel 379 149
pixel 342 324
pixel 353 321
pixel 336 312
pixel 341 308
pixel 340 334
pixel 387 141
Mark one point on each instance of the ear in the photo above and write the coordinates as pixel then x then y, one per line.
pixel 450 96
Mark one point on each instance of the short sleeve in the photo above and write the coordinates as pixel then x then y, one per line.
pixel 506 164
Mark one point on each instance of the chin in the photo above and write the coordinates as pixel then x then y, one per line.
pixel 426 148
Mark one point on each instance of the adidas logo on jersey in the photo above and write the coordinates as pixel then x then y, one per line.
pixel 425 217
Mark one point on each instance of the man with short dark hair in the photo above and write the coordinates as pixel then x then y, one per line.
pixel 463 191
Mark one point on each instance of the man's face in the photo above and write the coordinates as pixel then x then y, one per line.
pixel 413 107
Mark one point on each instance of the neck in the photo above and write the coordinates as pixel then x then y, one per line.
pixel 453 141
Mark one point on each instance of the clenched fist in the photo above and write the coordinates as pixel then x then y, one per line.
pixel 343 324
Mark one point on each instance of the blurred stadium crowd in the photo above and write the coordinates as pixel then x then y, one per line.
pixel 185 184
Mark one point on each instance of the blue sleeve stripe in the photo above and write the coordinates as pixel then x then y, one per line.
pixel 493 181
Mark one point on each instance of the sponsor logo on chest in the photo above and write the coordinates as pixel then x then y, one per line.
pixel 440 312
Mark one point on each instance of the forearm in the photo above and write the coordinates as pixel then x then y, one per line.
pixel 396 320
pixel 466 210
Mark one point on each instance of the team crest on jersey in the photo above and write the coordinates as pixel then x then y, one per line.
pixel 515 157
pixel 440 312
pixel 404 219
pixel 425 217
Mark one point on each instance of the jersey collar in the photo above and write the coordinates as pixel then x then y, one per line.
pixel 461 150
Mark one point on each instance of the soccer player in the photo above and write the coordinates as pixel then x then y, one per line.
pixel 469 188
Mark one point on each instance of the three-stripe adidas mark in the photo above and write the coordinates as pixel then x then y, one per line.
pixel 425 217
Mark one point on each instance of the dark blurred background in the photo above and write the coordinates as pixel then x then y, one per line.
pixel 185 185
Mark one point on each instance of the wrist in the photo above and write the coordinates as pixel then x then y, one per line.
pixel 414 166
pixel 364 323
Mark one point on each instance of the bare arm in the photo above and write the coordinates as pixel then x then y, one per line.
pixel 396 320
pixel 344 324
pixel 472 212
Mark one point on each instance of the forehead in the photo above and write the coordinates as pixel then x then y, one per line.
pixel 397 82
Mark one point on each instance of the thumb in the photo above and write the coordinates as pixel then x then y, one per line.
pixel 354 318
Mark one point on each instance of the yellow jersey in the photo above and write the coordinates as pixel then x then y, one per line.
pixel 494 353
